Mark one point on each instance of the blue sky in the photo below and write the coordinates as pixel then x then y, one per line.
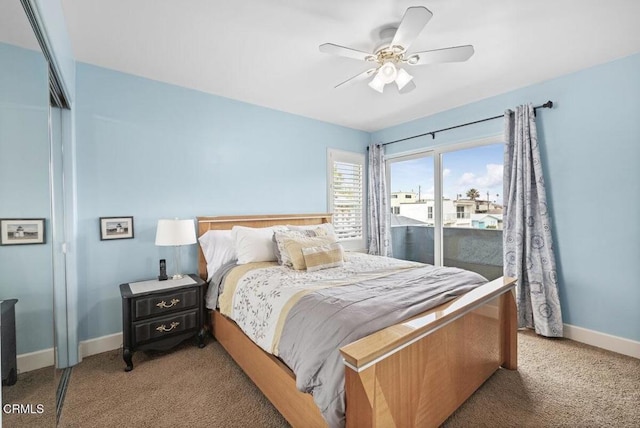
pixel 478 167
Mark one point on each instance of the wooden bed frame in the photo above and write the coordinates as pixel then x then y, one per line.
pixel 411 374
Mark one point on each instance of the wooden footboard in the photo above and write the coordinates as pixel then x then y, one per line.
pixel 417 373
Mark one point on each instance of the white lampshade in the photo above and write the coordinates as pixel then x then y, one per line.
pixel 175 232
pixel 377 83
pixel 403 78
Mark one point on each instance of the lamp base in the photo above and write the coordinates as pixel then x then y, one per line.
pixel 178 267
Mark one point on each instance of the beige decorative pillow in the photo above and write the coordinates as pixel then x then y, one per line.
pixel 279 238
pixel 293 247
pixel 324 229
pixel 323 257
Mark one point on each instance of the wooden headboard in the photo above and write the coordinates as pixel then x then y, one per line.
pixel 227 222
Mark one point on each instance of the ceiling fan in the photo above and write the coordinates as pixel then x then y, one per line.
pixel 393 52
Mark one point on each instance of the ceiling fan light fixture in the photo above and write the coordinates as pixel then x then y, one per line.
pixel 403 78
pixel 394 50
pixel 377 83
pixel 413 59
pixel 388 72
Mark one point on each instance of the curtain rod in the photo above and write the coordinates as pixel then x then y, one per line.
pixel 548 104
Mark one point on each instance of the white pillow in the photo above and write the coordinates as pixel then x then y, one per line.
pixel 218 248
pixel 255 244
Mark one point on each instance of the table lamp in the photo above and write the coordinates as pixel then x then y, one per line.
pixel 175 233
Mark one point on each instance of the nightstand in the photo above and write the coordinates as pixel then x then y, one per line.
pixel 159 315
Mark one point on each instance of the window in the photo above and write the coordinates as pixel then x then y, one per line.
pixel 458 218
pixel 345 175
pixel 412 233
pixel 474 172
pixel 407 196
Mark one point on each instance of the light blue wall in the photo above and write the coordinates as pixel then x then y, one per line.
pixel 590 145
pixel 151 150
pixel 25 270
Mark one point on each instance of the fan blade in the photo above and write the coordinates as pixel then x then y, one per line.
pixel 413 22
pixel 454 54
pixel 358 77
pixel 408 87
pixel 330 48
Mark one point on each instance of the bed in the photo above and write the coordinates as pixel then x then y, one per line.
pixel 413 373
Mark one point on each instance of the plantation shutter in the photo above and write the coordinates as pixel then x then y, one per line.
pixel 346 195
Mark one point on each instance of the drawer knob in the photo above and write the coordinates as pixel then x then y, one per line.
pixel 163 328
pixel 164 305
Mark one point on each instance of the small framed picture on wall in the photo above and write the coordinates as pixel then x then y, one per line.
pixel 116 228
pixel 21 231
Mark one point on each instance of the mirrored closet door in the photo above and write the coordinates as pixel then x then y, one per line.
pixel 26 226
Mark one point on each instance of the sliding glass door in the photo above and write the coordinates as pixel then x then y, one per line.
pixel 411 184
pixel 446 206
pixel 472 209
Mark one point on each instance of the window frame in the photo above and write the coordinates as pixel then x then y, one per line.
pixel 337 155
pixel 436 152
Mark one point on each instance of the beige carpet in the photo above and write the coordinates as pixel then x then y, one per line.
pixel 559 383
pixel 187 387
pixel 32 388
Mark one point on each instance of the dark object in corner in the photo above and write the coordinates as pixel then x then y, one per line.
pixel 8 338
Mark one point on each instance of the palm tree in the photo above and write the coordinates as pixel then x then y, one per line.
pixel 472 194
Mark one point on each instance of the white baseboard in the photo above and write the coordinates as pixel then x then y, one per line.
pixel 34 360
pixel 579 334
pixel 100 344
pixel 603 340
pixel 44 358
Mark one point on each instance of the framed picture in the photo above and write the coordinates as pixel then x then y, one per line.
pixel 116 228
pixel 21 231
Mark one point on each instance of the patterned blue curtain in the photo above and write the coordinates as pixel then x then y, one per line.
pixel 378 209
pixel 528 248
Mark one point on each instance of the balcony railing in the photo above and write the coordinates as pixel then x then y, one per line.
pixel 477 250
pixel 463 215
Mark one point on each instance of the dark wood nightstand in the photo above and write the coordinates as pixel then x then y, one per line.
pixel 160 314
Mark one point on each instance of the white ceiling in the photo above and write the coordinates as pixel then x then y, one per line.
pixel 14 26
pixel 265 52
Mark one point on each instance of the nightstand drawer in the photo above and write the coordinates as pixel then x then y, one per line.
pixel 159 304
pixel 166 326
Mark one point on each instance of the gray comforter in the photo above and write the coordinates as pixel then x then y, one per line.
pixel 324 321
